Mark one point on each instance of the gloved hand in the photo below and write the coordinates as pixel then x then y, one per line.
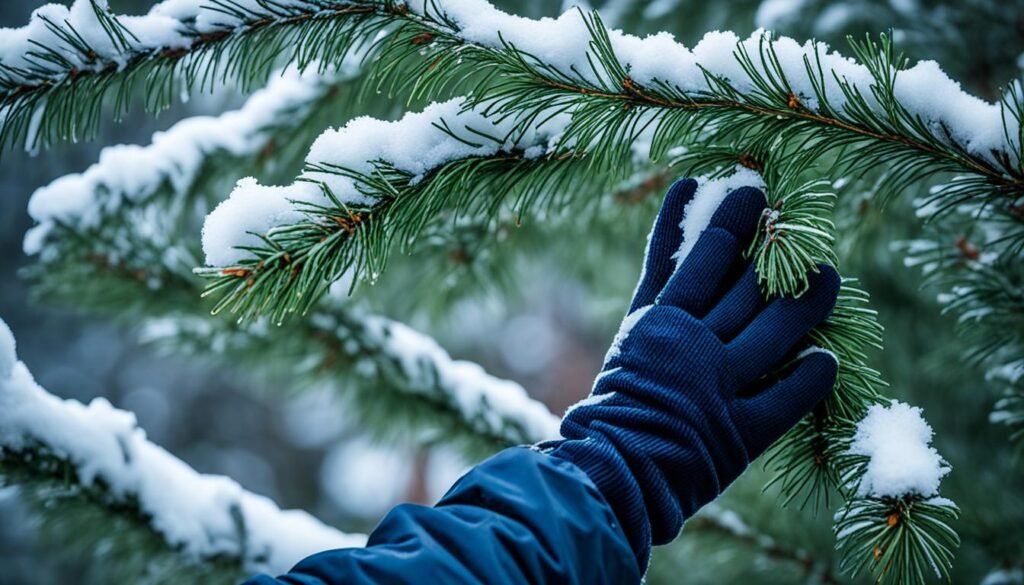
pixel 688 395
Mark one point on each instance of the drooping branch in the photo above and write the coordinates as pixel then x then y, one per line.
pixel 95 455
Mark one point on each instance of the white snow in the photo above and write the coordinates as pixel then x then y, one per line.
pixel 976 123
pixel 171 24
pixel 19 47
pixel 414 145
pixel 624 330
pixel 204 515
pixel 130 173
pixel 816 349
pixel 564 42
pixel 8 351
pixel 208 15
pixel 709 196
pixel 897 440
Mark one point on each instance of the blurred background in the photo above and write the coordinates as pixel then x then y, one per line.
pixel 546 327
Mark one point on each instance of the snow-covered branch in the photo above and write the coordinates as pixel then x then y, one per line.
pixel 399 370
pixel 340 160
pixel 564 88
pixel 366 185
pixel 113 465
pixel 659 61
pixel 897 526
pixel 58 71
pixel 494 407
pixel 131 174
pixel 919 108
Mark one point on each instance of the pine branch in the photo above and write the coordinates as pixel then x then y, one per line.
pixel 95 456
pixel 517 90
pixel 773 81
pixel 344 215
pixel 973 255
pixel 67 65
pixel 408 388
pixel 188 157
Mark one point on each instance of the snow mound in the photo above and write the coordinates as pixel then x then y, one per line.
pixel 897 440
pixel 8 351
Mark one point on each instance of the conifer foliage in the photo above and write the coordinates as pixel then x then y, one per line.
pixel 512 121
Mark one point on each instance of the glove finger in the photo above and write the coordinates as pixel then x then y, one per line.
pixel 663 242
pixel 762 345
pixel 694 286
pixel 738 307
pixel 765 417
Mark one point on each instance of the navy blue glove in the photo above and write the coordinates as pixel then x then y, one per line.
pixel 691 390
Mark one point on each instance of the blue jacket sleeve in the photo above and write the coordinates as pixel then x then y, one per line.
pixel 521 517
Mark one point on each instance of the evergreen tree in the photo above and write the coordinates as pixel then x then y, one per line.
pixel 476 151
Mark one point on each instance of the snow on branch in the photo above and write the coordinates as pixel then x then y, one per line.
pixel 568 87
pixel 491 405
pixel 175 157
pixel 203 516
pixel 57 71
pixel 84 37
pixel 275 250
pixel 817 79
pixel 413 146
pixel 765 75
pixel 88 37
pixel 897 525
pixel 105 242
pixel 896 439
pixel 398 366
